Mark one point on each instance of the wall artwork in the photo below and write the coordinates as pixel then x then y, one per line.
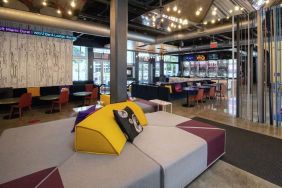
pixel 34 61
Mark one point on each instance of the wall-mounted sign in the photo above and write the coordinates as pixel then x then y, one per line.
pixel 37 33
pixel 201 57
pixel 213 45
pixel 190 58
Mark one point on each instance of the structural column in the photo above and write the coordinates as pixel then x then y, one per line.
pixel 90 64
pixel 136 67
pixel 260 69
pixel 118 34
pixel 162 66
pixel 238 73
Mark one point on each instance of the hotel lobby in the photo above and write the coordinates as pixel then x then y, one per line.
pixel 140 93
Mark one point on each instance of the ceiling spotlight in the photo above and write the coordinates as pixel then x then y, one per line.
pixel 162 20
pixel 179 11
pixel 154 18
pixel 175 8
pixel 267 1
pixel 59 11
pixel 213 12
pixel 281 5
pixel 179 26
pixel 230 11
pixel 168 29
pixel 200 9
pixel 215 9
pixel 180 20
pixel 72 4
pixel 168 9
pixel 198 13
pixel 227 17
pixel 241 8
pixel 185 22
pixel 5 1
pixel 237 8
pixel 171 24
pixel 218 19
pixel 213 21
pixel 69 12
pixel 205 23
pixel 44 3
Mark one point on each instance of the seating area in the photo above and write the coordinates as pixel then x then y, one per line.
pixel 140 93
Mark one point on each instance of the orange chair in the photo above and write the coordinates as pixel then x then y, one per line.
pixel 63 99
pixel 93 96
pixel 24 102
pixel 89 87
pixel 222 90
pixel 199 96
pixel 211 94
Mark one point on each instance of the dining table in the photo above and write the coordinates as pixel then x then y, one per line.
pixel 50 98
pixel 10 101
pixel 82 94
pixel 190 91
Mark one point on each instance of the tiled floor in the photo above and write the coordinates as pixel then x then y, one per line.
pixel 221 174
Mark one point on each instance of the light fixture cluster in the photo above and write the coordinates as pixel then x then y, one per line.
pixel 214 13
pixel 5 1
pixel 59 11
pixel 175 23
pixel 199 11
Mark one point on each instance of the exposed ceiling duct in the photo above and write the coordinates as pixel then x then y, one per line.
pixel 69 25
pixel 190 35
pixel 101 30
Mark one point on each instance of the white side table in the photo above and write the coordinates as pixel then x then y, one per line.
pixel 163 104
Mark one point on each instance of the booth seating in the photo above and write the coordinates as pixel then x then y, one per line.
pixel 152 160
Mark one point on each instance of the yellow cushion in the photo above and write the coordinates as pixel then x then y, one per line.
pixel 169 87
pixel 106 99
pixel 100 134
pixel 35 91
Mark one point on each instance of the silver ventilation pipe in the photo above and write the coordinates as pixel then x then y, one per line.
pixel 190 35
pixel 64 24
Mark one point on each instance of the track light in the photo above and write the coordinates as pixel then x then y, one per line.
pixel 168 29
pixel 168 9
pixel 5 1
pixel 205 23
pixel 59 11
pixel 236 8
pixel 69 12
pixel 175 8
pixel 44 3
pixel 198 13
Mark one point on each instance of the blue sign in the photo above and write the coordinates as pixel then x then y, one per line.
pixel 37 33
pixel 190 58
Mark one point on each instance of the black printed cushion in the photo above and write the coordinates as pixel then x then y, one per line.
pixel 128 123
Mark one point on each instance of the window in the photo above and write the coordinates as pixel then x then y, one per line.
pixel 171 69
pixel 130 58
pixel 80 63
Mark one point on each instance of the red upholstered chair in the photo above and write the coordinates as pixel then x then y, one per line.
pixel 199 96
pixel 211 93
pixel 178 88
pixel 89 87
pixel 24 102
pixel 92 97
pixel 63 99
pixel 221 92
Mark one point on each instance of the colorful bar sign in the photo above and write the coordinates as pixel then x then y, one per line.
pixel 37 33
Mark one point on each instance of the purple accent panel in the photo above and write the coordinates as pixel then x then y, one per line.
pixel 214 137
pixel 54 181
pixel 28 181
pixel 82 115
pixel 193 123
pixel 155 106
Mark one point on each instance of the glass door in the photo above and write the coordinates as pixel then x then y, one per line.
pixel 101 72
pixel 144 72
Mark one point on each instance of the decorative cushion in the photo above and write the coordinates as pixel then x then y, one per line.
pixel 99 132
pixel 106 99
pixel 82 115
pixel 178 88
pixel 128 123
pixel 35 91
